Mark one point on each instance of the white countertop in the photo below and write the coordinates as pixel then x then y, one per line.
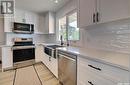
pixel 45 44
pixel 119 60
pixel 6 45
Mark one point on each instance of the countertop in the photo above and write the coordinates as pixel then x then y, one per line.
pixel 6 45
pixel 45 44
pixel 120 60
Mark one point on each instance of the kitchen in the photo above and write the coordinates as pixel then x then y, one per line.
pixel 66 42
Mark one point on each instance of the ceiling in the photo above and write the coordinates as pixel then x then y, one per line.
pixel 40 6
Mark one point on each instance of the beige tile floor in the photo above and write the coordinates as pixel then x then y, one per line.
pixel 7 78
pixel 36 74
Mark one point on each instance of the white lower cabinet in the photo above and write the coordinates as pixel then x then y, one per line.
pixel 39 53
pixel 51 63
pixel 54 66
pixel 7 57
pixel 95 73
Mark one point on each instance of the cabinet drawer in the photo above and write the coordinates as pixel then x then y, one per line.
pixel 94 79
pixel 113 74
pixel 88 77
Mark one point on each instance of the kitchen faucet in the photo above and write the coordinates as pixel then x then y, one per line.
pixel 67 42
pixel 61 39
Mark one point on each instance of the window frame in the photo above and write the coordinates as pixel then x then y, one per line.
pixel 67 22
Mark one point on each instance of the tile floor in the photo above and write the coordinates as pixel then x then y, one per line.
pixel 36 74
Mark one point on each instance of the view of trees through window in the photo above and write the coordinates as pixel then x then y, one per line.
pixel 73 31
pixel 68 27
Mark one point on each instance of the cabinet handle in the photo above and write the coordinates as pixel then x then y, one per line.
pixel 94 16
pixel 95 67
pixel 49 58
pixel 24 20
pixel 90 83
pixel 97 16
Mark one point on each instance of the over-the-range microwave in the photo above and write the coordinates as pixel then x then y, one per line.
pixel 23 28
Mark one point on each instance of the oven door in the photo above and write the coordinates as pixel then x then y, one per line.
pixel 24 54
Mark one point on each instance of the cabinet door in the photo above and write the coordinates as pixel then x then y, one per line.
pixel 42 29
pixel 36 23
pixel 19 16
pixel 49 27
pixel 29 17
pixel 54 66
pixel 7 57
pixel 87 76
pixel 111 10
pixel 51 23
pixel 8 23
pixel 46 61
pixel 86 11
pixel 39 53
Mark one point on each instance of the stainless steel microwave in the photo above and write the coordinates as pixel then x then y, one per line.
pixel 23 28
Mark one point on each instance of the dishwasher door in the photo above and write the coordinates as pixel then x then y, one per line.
pixel 67 69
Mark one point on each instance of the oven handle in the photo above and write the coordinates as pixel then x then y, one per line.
pixel 19 48
pixel 60 55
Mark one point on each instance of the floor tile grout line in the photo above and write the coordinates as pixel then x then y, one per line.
pixel 37 75
pixel 14 77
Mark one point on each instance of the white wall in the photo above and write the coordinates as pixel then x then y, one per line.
pixel 71 5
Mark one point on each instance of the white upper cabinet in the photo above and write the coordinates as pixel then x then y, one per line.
pixel 111 10
pixel 36 24
pixel 19 16
pixel 100 11
pixel 29 17
pixel 8 23
pixel 43 24
pixel 86 12
pixel 41 29
pixel 23 16
pixel 49 27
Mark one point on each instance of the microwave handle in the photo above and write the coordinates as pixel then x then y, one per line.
pixel 31 27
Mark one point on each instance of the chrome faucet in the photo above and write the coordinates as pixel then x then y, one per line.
pixel 68 43
pixel 61 39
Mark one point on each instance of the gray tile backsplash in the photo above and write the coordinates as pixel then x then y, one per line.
pixel 37 38
pixel 113 36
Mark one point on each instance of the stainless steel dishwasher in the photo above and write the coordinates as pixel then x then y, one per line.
pixel 67 68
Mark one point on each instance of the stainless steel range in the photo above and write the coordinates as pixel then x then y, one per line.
pixel 23 49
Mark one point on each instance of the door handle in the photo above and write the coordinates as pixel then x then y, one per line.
pixel 94 16
pixel 90 83
pixel 97 17
pixel 94 67
pixel 60 55
pixel 49 58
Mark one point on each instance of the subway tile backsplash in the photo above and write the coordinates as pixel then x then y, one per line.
pixel 113 36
